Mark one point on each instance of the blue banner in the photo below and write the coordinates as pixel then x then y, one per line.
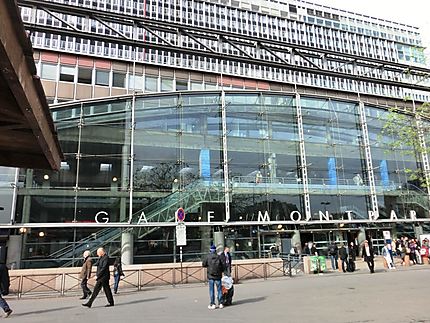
pixel 332 176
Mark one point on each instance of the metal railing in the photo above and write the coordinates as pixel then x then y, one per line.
pixel 57 282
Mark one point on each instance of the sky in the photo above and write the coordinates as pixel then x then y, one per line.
pixel 412 12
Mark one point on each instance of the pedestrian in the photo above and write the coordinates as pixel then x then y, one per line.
pixel 351 257
pixel 215 268
pixel 4 286
pixel 117 273
pixel 387 256
pixel 85 274
pixel 333 253
pixel 343 255
pixel 368 256
pixel 102 279
pixel 226 261
pixel 310 249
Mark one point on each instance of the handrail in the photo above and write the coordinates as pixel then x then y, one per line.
pixel 65 281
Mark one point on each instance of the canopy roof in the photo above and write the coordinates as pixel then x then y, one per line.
pixel 27 134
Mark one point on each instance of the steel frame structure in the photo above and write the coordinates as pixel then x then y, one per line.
pixel 179 38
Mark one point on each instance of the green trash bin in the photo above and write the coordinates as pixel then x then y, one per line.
pixel 313 263
pixel 322 263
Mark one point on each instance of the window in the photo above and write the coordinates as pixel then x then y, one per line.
pixel 48 71
pixel 118 79
pixel 67 73
pixel 85 75
pixel 102 78
pixel 151 84
pixel 181 85
pixel 166 85
pixel 135 82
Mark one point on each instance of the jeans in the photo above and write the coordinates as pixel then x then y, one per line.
pixel 116 278
pixel 212 291
pixel 333 262
pixel 4 305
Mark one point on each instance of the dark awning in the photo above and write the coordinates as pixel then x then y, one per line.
pixel 27 134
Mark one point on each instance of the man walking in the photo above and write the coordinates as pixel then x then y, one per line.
pixel 102 279
pixel 4 285
pixel 85 274
pixel 368 256
pixel 215 268
pixel 226 261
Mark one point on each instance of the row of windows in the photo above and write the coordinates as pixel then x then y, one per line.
pixel 214 17
pixel 151 83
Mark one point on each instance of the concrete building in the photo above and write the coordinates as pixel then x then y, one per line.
pixel 263 120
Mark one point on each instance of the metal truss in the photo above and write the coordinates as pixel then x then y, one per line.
pixel 222 46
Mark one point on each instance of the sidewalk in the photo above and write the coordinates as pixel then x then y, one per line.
pixel 394 296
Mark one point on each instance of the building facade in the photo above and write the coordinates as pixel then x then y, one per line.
pixel 264 121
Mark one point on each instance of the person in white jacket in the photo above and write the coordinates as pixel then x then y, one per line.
pixel 387 256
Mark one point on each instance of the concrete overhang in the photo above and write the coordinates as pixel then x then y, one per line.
pixel 27 134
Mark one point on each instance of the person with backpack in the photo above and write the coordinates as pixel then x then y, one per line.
pixel 117 273
pixel 215 268
pixel 4 286
pixel 333 253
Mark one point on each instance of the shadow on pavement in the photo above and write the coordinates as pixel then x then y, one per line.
pixel 249 300
pixel 141 301
pixel 43 311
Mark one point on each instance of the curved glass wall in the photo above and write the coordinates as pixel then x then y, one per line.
pixel 140 158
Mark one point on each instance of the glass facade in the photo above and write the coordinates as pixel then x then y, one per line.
pixel 139 158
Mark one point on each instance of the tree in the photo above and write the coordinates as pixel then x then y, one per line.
pixel 407 131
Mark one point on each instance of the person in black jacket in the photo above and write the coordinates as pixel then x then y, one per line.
pixel 343 255
pixel 102 279
pixel 226 261
pixel 4 285
pixel 215 268
pixel 368 256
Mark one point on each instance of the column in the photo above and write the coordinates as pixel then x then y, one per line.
pixel 127 242
pixel 14 249
pixel 219 241
pixel 123 215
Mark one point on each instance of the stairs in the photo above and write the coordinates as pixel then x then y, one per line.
pixel 163 210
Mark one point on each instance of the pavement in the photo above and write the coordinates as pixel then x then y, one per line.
pixel 399 295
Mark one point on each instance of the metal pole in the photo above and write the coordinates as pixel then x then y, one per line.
pixel 225 157
pixel 180 258
pixel 15 193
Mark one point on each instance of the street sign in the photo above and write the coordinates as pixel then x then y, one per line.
pixel 180 214
pixel 181 235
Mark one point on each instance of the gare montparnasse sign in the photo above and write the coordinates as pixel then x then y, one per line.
pixel 295 217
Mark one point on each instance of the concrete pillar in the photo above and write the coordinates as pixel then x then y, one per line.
pixel 123 215
pixel 296 241
pixel 205 233
pixel 14 249
pixel 127 242
pixel 26 205
pixel 219 241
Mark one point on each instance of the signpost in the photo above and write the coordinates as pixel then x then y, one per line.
pixel 181 233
